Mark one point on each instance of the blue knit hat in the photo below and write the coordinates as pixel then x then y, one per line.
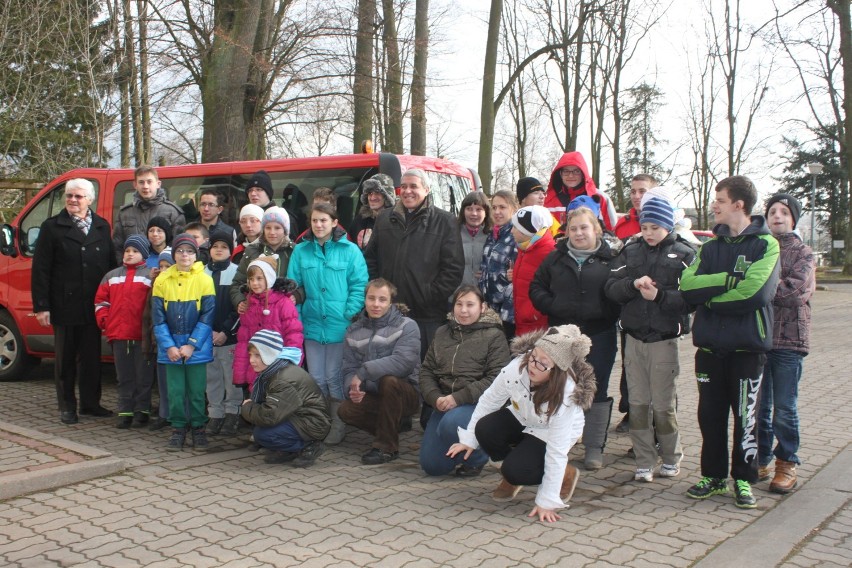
pixel 585 201
pixel 268 343
pixel 140 243
pixel 167 256
pixel 659 212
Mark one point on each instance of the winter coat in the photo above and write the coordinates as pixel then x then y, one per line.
pixel 498 256
pixel 527 318
pixel 133 218
pixel 250 253
pixel 291 395
pixel 183 307
pixel 331 280
pixel 282 317
pixel 361 229
pixel 792 301
pixel 733 282
pixel 472 248
pixel 463 359
pixel 421 254
pixel 560 432
pixel 558 196
pixel 373 348
pixel 120 302
pixel 665 317
pixel 628 225
pixel 226 318
pixel 568 292
pixel 68 267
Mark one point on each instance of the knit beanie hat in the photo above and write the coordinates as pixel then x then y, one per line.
pixel 268 265
pixel 276 215
pixel 252 210
pixel 586 201
pixel 268 343
pixel 185 239
pixel 379 183
pixel 527 185
pixel 220 236
pixel 166 255
pixel 140 243
pixel 530 220
pixel 262 180
pixel 162 223
pixel 564 345
pixel 791 202
pixel 659 212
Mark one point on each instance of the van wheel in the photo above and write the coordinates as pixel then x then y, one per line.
pixel 14 360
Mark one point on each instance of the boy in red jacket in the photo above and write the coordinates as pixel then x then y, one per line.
pixel 127 290
pixel 531 229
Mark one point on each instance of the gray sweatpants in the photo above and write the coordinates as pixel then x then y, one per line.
pixel 222 396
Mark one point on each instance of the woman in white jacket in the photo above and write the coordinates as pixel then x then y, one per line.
pixel 549 385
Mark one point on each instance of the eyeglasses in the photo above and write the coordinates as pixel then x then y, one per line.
pixel 539 365
pixel 204 205
pixel 571 172
pixel 74 197
pixel 184 251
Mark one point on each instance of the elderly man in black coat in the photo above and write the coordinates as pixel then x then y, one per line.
pixel 73 252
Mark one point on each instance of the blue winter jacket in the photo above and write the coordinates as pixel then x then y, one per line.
pixel 498 256
pixel 331 280
pixel 183 306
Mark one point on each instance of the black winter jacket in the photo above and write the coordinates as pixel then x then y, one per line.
pixel 567 292
pixel 422 256
pixel 667 316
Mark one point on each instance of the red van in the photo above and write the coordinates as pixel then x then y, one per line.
pixel 23 341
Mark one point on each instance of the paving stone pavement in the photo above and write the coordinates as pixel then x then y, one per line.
pixel 228 508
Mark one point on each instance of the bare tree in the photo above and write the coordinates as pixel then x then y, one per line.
pixel 393 80
pixel 418 79
pixel 363 81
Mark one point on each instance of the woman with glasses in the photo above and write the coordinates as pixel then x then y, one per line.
pixel 548 386
pixel 571 179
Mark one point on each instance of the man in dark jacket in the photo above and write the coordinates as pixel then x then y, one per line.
pixel 381 364
pixel 73 252
pixel 149 201
pixel 732 282
pixel 417 247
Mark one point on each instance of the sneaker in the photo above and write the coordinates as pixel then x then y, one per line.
pixel 199 440
pixel 667 470
pixel 465 470
pixel 230 425
pixel 707 487
pixel 743 497
pixel 177 440
pixel 124 422
pixel 140 419
pixel 278 456
pixel 405 424
pixel 644 474
pixel 376 456
pixel 309 454
pixel 623 427
pixel 158 424
pixel 214 426
pixel 97 412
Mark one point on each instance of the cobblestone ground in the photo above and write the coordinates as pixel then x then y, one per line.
pixel 228 508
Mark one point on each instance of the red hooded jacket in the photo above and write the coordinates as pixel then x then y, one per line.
pixel 558 196
pixel 120 301
pixel 628 225
pixel 527 318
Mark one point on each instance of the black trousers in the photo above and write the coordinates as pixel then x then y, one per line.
pixel 78 358
pixel 728 383
pixel 502 437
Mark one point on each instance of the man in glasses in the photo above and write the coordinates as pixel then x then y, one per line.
pixel 73 252
pixel 571 179
pixel 211 203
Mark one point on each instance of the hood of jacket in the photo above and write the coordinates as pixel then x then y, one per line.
pixel 605 251
pixel 158 199
pixel 174 272
pixel 488 318
pixel 391 317
pixel 573 159
pixel 336 234
pixel 582 373
pixel 758 226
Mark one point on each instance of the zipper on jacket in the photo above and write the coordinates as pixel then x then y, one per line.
pixel 761 330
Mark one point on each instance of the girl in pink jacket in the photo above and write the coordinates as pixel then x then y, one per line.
pixel 269 307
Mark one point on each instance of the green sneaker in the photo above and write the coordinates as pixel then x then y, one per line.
pixel 707 487
pixel 742 495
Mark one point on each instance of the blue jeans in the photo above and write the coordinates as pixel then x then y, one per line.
pixel 602 358
pixel 778 416
pixel 441 433
pixel 282 437
pixel 324 362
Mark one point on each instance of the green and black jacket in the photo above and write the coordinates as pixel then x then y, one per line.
pixel 732 282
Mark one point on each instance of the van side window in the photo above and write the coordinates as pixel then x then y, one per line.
pixel 49 205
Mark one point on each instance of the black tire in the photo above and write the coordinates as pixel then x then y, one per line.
pixel 14 360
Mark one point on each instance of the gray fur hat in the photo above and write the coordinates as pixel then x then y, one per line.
pixel 565 345
pixel 379 183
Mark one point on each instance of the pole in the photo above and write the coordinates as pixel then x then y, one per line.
pixel 813 208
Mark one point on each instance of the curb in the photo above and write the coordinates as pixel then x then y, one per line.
pixel 98 463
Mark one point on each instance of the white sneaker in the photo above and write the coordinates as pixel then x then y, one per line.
pixel 669 470
pixel 643 474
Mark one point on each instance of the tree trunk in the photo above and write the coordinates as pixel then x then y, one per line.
pixel 144 100
pixel 841 8
pixel 362 88
pixel 132 77
pixel 486 132
pixel 418 79
pixel 393 112
pixel 226 89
